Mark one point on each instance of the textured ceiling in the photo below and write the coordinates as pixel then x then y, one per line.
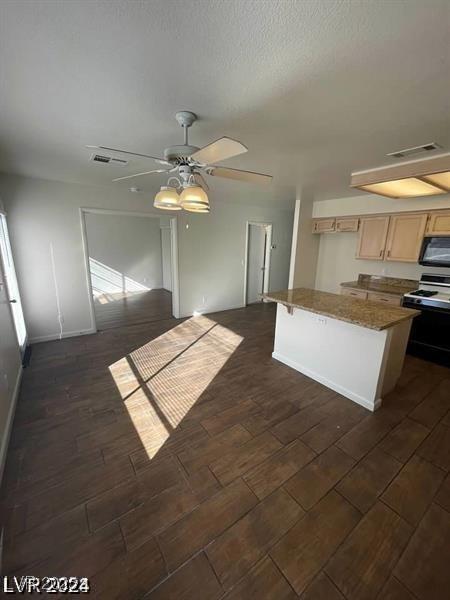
pixel 314 88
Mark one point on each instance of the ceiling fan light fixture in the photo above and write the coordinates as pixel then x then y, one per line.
pixel 167 199
pixel 194 199
pixel 198 209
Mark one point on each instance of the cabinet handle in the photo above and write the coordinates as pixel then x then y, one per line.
pixel 381 252
pixel 388 252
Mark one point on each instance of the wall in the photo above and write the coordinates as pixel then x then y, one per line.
pixel 212 254
pixel 166 253
pixel 42 214
pixel 211 250
pixel 124 253
pixel 337 263
pixel 305 245
pixel 10 370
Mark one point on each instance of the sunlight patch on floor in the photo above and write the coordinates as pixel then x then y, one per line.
pixel 161 381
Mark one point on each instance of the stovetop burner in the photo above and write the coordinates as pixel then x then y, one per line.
pixel 423 293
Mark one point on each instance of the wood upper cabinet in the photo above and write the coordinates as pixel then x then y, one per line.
pixel 439 223
pixel 347 224
pixel 372 238
pixel 323 225
pixel 405 237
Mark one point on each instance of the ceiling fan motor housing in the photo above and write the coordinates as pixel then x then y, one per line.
pixel 179 154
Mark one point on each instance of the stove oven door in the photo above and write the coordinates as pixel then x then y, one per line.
pixel 430 334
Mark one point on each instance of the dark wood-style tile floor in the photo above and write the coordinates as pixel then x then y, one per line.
pixel 178 460
pixel 121 310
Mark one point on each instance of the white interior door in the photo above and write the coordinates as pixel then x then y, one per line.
pixel 166 253
pixel 11 289
pixel 256 262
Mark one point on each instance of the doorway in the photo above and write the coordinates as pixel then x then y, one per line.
pixel 11 286
pixel 130 265
pixel 257 267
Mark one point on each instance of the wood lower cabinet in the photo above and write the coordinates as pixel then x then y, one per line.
pixel 405 237
pixel 439 223
pixel 384 298
pixel 389 299
pixel 372 238
pixel 345 291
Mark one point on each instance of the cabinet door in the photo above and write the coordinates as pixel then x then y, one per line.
pixel 385 298
pixel 439 224
pixel 405 237
pixel 372 238
pixel 345 291
pixel 347 224
pixel 323 225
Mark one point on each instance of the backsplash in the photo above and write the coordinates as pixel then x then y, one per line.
pixel 394 281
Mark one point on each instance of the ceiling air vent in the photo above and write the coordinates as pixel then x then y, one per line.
pixel 415 150
pixel 109 160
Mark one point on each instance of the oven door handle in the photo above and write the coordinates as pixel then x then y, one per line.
pixel 423 307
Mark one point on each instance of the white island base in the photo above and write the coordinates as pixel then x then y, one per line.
pixel 359 363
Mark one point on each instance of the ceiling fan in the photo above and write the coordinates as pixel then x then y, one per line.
pixel 189 190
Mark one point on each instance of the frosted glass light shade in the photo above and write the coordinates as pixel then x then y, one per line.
pixel 409 187
pixel 440 179
pixel 167 199
pixel 194 199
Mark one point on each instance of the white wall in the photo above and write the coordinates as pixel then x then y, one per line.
pixel 305 245
pixel 166 252
pixel 124 252
pixel 337 263
pixel 10 369
pixel 40 213
pixel 212 252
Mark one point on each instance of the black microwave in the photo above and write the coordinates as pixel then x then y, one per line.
pixel 435 252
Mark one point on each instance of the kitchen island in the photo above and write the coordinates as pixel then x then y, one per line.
pixel 355 347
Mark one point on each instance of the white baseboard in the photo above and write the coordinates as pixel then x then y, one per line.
pixel 372 406
pixel 9 422
pixel 214 309
pixel 56 336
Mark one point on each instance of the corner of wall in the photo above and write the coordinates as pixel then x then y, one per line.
pixel 305 245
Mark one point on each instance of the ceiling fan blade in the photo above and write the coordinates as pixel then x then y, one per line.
pixel 238 175
pixel 140 174
pixel 219 150
pixel 201 181
pixel 159 160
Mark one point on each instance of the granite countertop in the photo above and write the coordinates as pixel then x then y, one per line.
pixel 382 285
pixel 372 315
pixel 382 288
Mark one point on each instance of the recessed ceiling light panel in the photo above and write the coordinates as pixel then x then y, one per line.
pixel 412 179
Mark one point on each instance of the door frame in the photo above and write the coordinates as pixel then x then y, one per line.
pixel 124 213
pixel 267 256
pixel 4 283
